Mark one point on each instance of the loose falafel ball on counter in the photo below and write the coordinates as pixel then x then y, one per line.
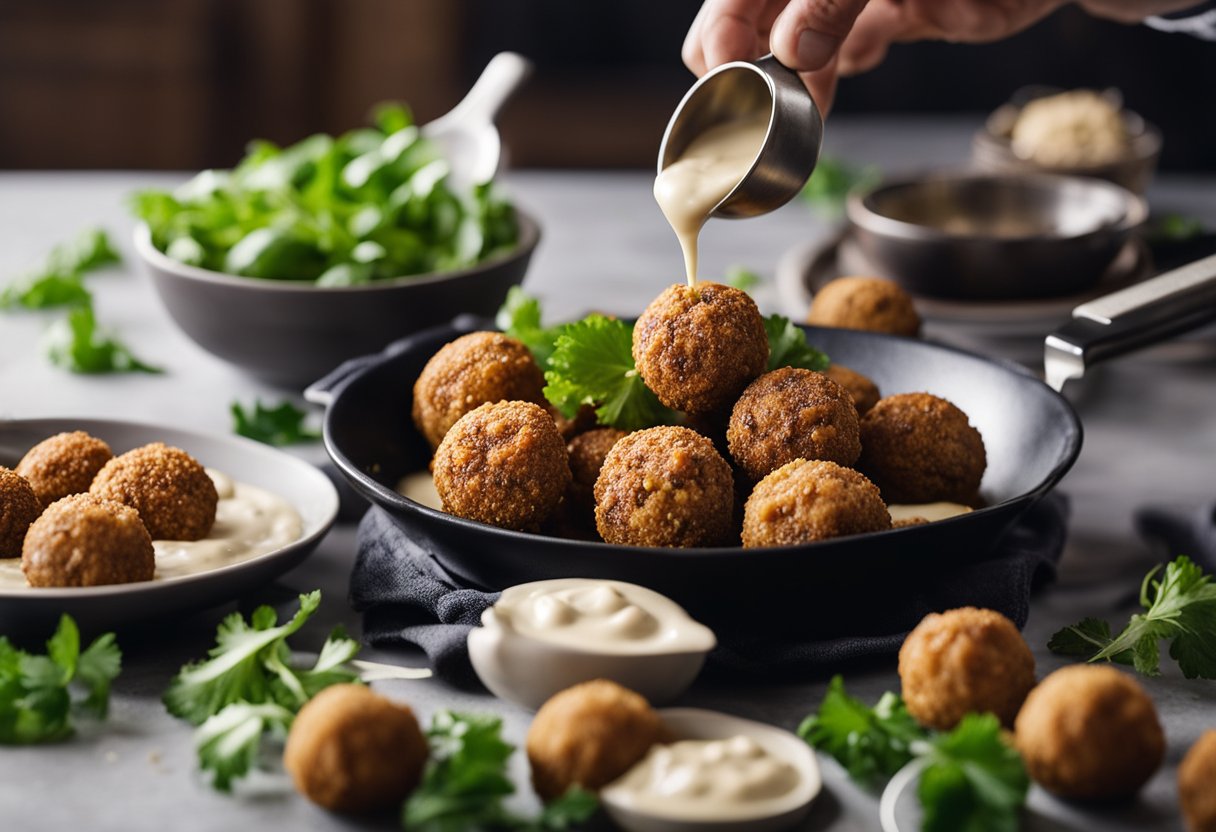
pixel 808 500
pixel 864 391
pixel 172 492
pixel 698 347
pixel 664 486
pixel 505 464
pixel 587 453
pixel 920 448
pixel 588 736
pixel 64 464
pixel 19 507
pixel 1089 732
pixel 475 369
pixel 84 540
pixel 791 414
pixel 1197 784
pixel 963 661
pixel 352 750
pixel 870 303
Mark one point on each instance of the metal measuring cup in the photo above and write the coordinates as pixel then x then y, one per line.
pixel 740 89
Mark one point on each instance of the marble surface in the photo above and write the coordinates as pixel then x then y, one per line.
pixel 1150 438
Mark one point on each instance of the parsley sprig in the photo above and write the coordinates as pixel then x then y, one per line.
pixel 281 424
pixel 1179 608
pixel 36 692
pixel 78 344
pixel 58 280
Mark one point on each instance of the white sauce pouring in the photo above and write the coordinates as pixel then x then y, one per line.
pixel 710 167
pixel 249 522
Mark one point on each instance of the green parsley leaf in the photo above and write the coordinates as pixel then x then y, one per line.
pixel 1173 228
pixel 36 700
pixel 592 364
pixel 1181 608
pixel 576 806
pixel 282 424
pixel 77 344
pixel 741 278
pixel 787 346
pixel 228 744
pixel 871 743
pixel 520 318
pixel 57 282
pixel 832 180
pixel 973 781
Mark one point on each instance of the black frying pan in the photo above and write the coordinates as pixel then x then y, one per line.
pixel 1032 436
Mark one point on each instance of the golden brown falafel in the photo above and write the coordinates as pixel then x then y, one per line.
pixel 869 303
pixel 352 750
pixel 664 486
pixel 963 661
pixel 920 448
pixel 864 391
pixel 505 464
pixel 808 500
pixel 1197 784
pixel 63 464
pixel 19 507
pixel 698 347
pixel 84 540
pixel 475 369
pixel 170 489
pixel 587 453
pixel 588 736
pixel 792 414
pixel 1089 732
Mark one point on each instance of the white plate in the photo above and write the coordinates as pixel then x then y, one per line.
pixel 104 607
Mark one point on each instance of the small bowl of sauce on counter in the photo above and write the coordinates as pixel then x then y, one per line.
pixel 546 636
pixel 720 772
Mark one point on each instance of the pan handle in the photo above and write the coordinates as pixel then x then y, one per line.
pixel 1144 314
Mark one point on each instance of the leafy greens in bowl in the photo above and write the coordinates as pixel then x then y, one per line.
pixel 372 204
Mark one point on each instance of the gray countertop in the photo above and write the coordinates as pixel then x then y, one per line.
pixel 1150 438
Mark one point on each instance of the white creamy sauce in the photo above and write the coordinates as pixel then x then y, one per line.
pixel 420 487
pixel 710 167
pixel 249 522
pixel 608 616
pixel 929 511
pixel 707 779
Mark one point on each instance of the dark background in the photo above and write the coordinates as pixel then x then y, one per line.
pixel 184 84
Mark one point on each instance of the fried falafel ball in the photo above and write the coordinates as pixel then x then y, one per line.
pixel 170 489
pixel 352 750
pixel 864 391
pixel 791 414
pixel 475 369
pixel 504 464
pixel 587 453
pixel 920 448
pixel 698 347
pixel 19 507
pixel 808 500
pixel 84 540
pixel 870 303
pixel 664 486
pixel 588 736
pixel 1196 782
pixel 64 464
pixel 1089 732
pixel 963 661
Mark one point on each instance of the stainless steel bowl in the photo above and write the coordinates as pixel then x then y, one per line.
pixel 994 237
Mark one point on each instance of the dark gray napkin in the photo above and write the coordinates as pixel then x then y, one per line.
pixel 407 598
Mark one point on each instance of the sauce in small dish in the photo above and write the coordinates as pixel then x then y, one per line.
pixel 720 772
pixel 545 636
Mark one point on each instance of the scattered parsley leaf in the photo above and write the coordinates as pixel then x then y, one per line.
pixel 592 364
pixel 871 743
pixel 77 344
pixel 282 424
pixel 831 182
pixel 35 691
pixel 1181 608
pixel 520 318
pixel 228 743
pixel 973 780
pixel 57 282
pixel 787 346
pixel 741 278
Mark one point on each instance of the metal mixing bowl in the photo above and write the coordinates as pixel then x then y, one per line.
pixel 994 237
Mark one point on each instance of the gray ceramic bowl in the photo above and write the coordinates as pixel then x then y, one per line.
pixel 290 333
pixel 994 237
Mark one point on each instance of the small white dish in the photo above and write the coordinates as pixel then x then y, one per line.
pixel 545 636
pixel 768 815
